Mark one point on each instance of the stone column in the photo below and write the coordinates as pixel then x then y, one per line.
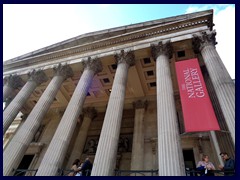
pixel 137 159
pixel 11 82
pixel 221 80
pixel 214 141
pixel 105 158
pixel 14 152
pixel 57 149
pixel 89 115
pixel 170 156
pixel 9 114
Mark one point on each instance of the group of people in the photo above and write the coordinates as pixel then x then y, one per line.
pixel 81 169
pixel 206 167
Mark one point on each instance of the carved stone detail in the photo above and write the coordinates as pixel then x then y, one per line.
pixel 38 76
pixel 139 104
pixel 154 145
pixel 63 70
pixel 125 57
pixel 13 81
pixel 93 64
pixel 202 40
pixel 162 48
pixel 90 112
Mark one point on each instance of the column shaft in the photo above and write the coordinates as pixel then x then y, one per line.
pixel 169 148
pixel 214 141
pixel 221 80
pixel 14 152
pixel 15 106
pixel 170 156
pixel 82 136
pixel 223 85
pixel 137 159
pixel 57 149
pixel 105 158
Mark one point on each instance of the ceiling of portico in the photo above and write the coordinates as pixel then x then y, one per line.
pixel 141 83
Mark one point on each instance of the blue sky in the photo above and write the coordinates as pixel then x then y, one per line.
pixel 30 27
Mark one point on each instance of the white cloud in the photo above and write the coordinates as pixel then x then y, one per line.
pixel 224 20
pixel 225 27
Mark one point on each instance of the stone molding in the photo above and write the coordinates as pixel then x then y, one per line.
pixel 38 76
pixel 13 81
pixel 90 112
pixel 161 30
pixel 162 48
pixel 63 70
pixel 203 39
pixel 127 57
pixel 93 64
pixel 140 104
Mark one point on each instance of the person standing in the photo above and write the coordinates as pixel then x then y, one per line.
pixel 74 168
pixel 205 166
pixel 86 167
pixel 229 164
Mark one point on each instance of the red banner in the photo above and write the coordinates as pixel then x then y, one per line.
pixel 197 108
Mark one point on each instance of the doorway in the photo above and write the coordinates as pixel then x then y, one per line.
pixel 189 161
pixel 25 163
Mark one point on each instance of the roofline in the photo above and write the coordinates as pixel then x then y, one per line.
pixel 119 28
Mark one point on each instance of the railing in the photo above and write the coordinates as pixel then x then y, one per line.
pixel 191 172
pixel 136 172
pixel 65 172
pixel 25 172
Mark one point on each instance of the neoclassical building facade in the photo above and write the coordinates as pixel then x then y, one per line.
pixel 113 96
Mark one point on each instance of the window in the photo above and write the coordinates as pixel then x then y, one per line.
pixel 147 60
pixel 181 54
pixel 150 73
pixel 106 80
pixel 153 84
pixel 114 66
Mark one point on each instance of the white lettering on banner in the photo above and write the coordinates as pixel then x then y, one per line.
pixel 193 83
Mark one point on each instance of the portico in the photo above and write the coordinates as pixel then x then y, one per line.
pixel 94 85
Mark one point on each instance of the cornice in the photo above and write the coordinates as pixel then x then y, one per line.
pixel 117 30
pixel 159 30
pixel 110 51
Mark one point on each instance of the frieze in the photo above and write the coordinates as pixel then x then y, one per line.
pixel 124 39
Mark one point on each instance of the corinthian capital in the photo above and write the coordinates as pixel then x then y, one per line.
pixel 63 70
pixel 199 41
pixel 93 64
pixel 125 57
pixel 162 48
pixel 90 112
pixel 13 81
pixel 139 104
pixel 38 76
